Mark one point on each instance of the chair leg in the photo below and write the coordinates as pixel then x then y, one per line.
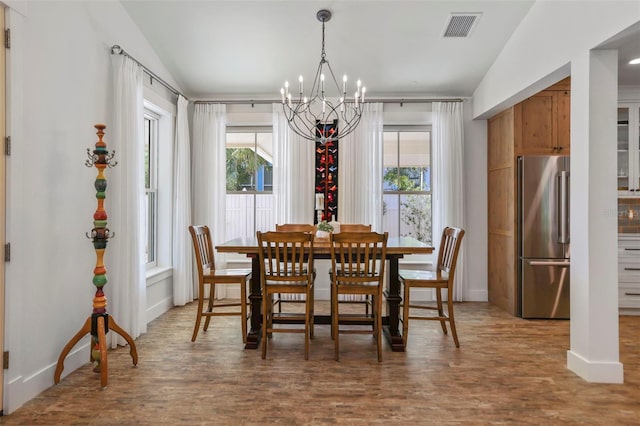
pixel 452 322
pixel 335 322
pixel 378 322
pixel 405 313
pixel 266 301
pixel 243 309
pixel 212 296
pixel 199 313
pixel 440 311
pixel 307 325
pixel 312 315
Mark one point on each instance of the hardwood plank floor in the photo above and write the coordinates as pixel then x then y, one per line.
pixel 507 371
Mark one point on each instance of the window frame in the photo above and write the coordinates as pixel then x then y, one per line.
pixel 255 193
pixel 398 129
pixel 153 119
pixel 165 111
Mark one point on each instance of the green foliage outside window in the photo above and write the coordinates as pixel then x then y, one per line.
pixel 242 165
pixel 415 210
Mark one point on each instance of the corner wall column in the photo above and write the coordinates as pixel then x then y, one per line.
pixel 594 353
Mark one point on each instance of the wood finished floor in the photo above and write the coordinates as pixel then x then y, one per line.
pixel 507 371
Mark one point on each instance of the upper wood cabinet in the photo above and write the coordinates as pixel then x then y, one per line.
pixel 545 121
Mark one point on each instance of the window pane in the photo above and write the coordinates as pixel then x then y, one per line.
pixel 150 226
pixel 249 162
pixel 415 215
pixel 390 171
pixel 391 214
pixel 147 153
pixel 240 216
pixel 415 164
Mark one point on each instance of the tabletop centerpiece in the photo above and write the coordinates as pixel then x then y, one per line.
pixel 324 229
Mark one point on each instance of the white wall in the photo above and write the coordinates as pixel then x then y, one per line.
pixel 540 50
pixel 475 205
pixel 59 86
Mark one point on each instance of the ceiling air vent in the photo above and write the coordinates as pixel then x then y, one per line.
pixel 461 24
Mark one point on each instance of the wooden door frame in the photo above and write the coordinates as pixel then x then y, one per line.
pixel 3 169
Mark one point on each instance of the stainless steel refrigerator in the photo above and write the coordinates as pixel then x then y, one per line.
pixel 543 236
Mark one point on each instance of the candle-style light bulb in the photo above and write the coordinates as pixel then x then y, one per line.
pixel 341 104
pixel 364 89
pixel 286 88
pixel 322 83
pixel 344 84
pixel 305 100
pixel 355 99
pixel 300 80
pixel 358 84
pixel 282 93
pixel 289 99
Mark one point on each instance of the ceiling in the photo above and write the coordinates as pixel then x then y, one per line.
pixel 240 49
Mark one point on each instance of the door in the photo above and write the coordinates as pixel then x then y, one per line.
pixel 544 207
pixel 545 288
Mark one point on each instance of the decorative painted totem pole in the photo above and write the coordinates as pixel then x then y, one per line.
pixel 100 322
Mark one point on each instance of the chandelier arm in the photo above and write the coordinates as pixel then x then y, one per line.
pixel 335 81
pixel 302 128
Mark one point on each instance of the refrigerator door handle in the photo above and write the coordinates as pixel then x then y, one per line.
pixel 563 263
pixel 563 207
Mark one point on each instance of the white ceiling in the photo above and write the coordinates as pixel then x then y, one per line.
pixel 218 49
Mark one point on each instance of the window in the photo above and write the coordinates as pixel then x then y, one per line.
pixel 407 182
pixel 151 186
pixel 249 181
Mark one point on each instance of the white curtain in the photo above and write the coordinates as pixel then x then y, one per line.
pixel 127 281
pixel 183 276
pixel 448 179
pixel 360 171
pixel 293 172
pixel 209 171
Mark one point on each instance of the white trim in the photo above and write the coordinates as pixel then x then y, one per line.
pixel 595 371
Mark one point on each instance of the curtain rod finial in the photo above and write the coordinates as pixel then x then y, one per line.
pixel 116 50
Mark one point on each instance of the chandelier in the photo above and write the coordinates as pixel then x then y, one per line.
pixel 312 116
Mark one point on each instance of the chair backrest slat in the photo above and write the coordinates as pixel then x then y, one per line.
pixel 296 227
pixel 285 256
pixel 358 255
pixel 449 248
pixel 203 248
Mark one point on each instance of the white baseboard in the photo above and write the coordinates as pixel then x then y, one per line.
pixel 21 389
pixel 595 372
pixel 159 308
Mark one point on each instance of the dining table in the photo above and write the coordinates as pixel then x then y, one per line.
pixel 397 248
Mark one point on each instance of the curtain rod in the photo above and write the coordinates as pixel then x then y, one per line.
pixel 117 50
pixel 381 100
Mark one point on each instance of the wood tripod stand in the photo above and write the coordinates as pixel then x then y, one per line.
pixel 99 323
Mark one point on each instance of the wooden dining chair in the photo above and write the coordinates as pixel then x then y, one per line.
pixel 293 227
pixel 286 267
pixel 354 298
pixel 357 268
pixel 441 278
pixel 209 277
pixel 354 227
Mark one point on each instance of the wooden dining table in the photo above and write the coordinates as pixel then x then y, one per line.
pixel 397 248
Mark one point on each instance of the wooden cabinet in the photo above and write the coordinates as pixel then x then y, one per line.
pixel 629 148
pixel 501 214
pixel 545 120
pixel 537 126
pixel 629 273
